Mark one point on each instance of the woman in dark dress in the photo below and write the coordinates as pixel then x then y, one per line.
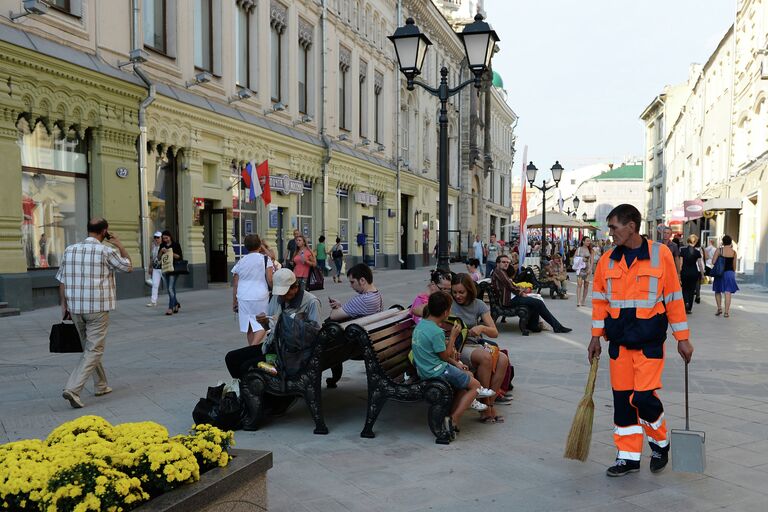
pixel 691 272
pixel 725 284
pixel 170 277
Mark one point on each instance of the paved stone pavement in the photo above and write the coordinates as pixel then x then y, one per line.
pixel 160 365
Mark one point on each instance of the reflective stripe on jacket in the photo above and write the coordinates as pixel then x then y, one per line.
pixel 632 306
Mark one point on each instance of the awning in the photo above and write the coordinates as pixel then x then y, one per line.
pixel 722 203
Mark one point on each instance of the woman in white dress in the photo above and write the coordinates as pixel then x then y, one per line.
pixel 252 278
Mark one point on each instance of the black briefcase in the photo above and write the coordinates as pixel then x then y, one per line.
pixel 64 338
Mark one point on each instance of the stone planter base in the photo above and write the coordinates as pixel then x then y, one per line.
pixel 239 487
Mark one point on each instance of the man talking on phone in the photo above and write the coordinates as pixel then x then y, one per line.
pixel 87 291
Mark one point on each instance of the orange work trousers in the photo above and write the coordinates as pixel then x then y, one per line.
pixel 635 377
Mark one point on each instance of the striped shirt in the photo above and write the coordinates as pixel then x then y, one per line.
pixel 87 272
pixel 364 304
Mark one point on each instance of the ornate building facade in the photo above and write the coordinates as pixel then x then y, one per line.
pixel 147 112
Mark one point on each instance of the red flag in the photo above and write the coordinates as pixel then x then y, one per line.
pixel 262 170
pixel 245 175
pixel 522 245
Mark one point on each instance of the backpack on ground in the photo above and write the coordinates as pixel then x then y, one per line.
pixel 295 339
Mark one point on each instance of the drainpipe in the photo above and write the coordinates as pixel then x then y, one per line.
pixel 142 150
pixel 326 141
pixel 398 194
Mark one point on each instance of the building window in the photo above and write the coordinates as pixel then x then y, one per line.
pixel 363 101
pixel 304 218
pixel 54 188
pixel 343 196
pixel 243 47
pixel 203 12
pixel 378 85
pixel 305 68
pixel 278 23
pixel 345 57
pixel 154 25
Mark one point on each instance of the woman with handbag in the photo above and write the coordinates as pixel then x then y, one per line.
pixel 303 260
pixel 725 283
pixel 251 280
pixel 170 246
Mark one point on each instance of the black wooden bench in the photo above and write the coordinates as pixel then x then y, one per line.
pixel 332 349
pixel 490 295
pixel 385 340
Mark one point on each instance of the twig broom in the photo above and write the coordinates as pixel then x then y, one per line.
pixel 580 436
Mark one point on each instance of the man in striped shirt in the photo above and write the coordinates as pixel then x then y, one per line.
pixel 368 300
pixel 87 292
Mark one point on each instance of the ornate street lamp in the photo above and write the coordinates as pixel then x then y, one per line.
pixel 576 203
pixel 584 216
pixel 557 174
pixel 411 47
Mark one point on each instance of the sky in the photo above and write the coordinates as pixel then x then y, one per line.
pixel 579 73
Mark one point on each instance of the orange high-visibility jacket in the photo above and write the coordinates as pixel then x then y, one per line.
pixel 632 306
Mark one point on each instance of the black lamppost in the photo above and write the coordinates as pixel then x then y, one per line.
pixel 411 46
pixel 572 214
pixel 557 174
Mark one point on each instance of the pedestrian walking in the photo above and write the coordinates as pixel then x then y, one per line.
pixel 583 265
pixel 691 271
pixel 169 278
pixel 321 255
pixel 288 263
pixel 251 280
pixel 636 294
pixel 303 259
pixel 492 252
pixel 726 283
pixel 87 293
pixel 666 239
pixel 479 250
pixel 337 254
pixel 155 271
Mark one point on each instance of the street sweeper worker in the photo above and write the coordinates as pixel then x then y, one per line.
pixel 636 296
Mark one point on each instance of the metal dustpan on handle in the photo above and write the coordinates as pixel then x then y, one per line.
pixel 688 452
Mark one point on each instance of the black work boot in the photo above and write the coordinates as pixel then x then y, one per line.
pixel 251 393
pixel 623 467
pixel 659 458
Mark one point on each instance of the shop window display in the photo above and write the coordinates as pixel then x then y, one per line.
pixel 54 187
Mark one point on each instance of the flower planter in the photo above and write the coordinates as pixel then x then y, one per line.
pixel 240 486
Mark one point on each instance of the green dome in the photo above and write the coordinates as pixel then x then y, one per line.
pixel 497 81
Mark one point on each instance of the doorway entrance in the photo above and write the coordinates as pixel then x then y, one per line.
pixel 404 216
pixel 280 237
pixel 216 242
pixel 369 247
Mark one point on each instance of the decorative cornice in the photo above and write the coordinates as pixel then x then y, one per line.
pixel 247 5
pixel 306 32
pixel 345 58
pixel 278 16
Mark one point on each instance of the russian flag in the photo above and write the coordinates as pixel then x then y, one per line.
pixel 245 176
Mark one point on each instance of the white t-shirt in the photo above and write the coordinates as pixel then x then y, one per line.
pixel 252 279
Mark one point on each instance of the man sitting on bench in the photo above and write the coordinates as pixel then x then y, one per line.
pixel 511 295
pixel 367 302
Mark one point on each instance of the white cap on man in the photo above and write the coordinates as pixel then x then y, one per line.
pixel 158 234
pixel 282 280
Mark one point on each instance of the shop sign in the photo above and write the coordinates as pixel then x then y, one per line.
pixel 272 218
pixel 693 209
pixel 121 172
pixel 366 198
pixel 286 185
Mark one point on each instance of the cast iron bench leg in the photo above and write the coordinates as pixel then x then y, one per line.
pixel 335 375
pixel 376 401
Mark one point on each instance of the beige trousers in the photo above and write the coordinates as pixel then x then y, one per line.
pixel 92 328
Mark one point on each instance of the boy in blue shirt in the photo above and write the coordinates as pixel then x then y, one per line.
pixel 433 355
